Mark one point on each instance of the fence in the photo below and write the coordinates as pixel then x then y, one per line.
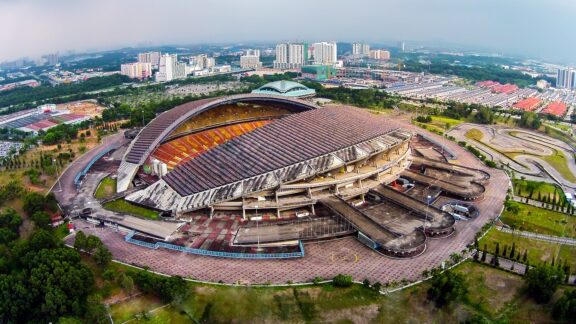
pixel 129 238
pixel 90 164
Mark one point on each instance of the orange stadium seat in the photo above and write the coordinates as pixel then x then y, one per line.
pixel 190 146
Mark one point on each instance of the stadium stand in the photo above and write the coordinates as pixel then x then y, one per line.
pixel 190 146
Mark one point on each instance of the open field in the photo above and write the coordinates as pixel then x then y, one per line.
pixel 542 190
pixel 542 221
pixel 442 122
pixel 122 206
pixel 474 134
pixel 494 295
pixel 106 189
pixel 538 251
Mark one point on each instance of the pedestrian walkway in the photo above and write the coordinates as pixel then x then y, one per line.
pixel 541 237
pixel 534 203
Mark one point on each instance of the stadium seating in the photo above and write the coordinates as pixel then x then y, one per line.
pixel 190 146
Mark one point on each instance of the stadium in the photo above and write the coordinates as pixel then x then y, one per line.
pixel 272 171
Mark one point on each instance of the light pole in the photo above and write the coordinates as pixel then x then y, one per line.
pixel 426 214
pixel 57 176
pixel 257 230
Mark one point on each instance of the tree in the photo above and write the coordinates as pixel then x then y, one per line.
pixel 565 308
pixel 92 242
pixel 102 256
pixel 95 310
pixel 80 241
pixel 542 282
pixel 42 219
pixel 446 288
pixel 513 250
pixel 33 202
pixel 127 283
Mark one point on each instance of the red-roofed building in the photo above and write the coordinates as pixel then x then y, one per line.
pixel 555 108
pixel 528 104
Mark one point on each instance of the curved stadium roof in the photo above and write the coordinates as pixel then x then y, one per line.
pixel 163 125
pixel 285 88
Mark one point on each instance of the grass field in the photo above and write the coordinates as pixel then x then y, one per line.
pixel 539 220
pixel 442 122
pixel 474 134
pixel 122 206
pixel 495 295
pixel 559 162
pixel 538 251
pixel 544 189
pixel 106 188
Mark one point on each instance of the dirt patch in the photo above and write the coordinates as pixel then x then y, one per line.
pixel 361 314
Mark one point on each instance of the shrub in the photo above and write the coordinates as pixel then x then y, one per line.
pixel 342 281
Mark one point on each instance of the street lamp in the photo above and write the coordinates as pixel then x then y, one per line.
pixel 58 176
pixel 426 214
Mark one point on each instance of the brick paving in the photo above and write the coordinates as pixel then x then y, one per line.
pixel 323 259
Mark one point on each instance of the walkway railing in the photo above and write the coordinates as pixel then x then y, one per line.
pixel 447 150
pixel 129 238
pixel 90 164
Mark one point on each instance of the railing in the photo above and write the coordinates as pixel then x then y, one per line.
pixel 451 153
pixel 90 164
pixel 129 238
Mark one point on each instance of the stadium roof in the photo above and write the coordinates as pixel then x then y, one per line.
pixel 288 141
pixel 285 88
pixel 165 123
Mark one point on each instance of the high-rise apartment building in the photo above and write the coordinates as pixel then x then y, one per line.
pixel 250 62
pixel 170 69
pixel 324 53
pixel 202 61
pixel 136 70
pixel 291 55
pixel 253 52
pixel 566 79
pixel 379 54
pixel 150 57
pixel 51 59
pixel 360 49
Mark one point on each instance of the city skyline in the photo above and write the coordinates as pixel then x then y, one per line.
pixel 35 28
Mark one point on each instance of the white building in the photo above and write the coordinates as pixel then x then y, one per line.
pixel 170 69
pixel 566 79
pixel 136 70
pixel 150 57
pixel 290 55
pixel 201 62
pixel 252 52
pixel 360 49
pixel 379 54
pixel 324 53
pixel 250 62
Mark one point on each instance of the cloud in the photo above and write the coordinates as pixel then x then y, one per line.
pixel 536 28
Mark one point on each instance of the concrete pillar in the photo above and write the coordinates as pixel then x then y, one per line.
pixel 313 210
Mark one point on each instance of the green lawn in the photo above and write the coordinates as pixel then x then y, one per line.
pixel 544 189
pixel 493 294
pixel 106 188
pixel 125 311
pixel 122 206
pixel 559 162
pixel 539 220
pixel 442 122
pixel 538 251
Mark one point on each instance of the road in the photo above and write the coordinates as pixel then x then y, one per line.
pixel 66 180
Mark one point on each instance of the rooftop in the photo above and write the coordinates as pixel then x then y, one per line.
pixel 285 88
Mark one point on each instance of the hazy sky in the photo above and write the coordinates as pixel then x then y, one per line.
pixel 534 28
